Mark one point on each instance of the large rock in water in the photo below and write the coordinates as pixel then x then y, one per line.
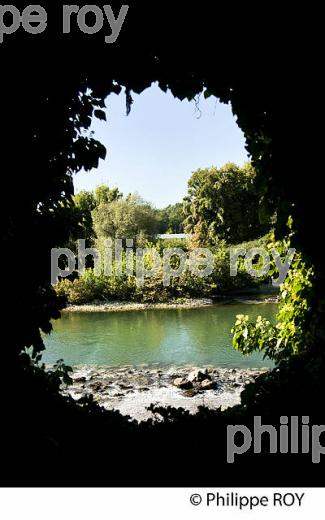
pixel 208 385
pixel 181 382
pixel 198 375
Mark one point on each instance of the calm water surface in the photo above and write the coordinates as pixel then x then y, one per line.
pixel 193 336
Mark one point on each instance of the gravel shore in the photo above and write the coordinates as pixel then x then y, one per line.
pixel 116 306
pixel 131 389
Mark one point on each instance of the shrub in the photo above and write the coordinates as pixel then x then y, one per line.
pixel 90 287
pixel 289 336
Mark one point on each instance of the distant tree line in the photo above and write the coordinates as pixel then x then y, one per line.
pixel 221 204
pixel 106 212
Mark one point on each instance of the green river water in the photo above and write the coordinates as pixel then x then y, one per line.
pixel 169 337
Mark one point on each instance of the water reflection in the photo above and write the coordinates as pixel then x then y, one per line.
pixel 195 336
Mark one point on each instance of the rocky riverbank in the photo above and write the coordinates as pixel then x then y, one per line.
pixel 132 389
pixel 181 303
pixel 115 306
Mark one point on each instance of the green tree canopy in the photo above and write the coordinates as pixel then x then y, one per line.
pixel 85 202
pixel 105 194
pixel 171 218
pixel 222 203
pixel 127 217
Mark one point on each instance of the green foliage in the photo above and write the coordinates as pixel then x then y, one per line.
pixel 153 290
pixel 85 202
pixel 161 244
pixel 222 204
pixel 104 213
pixel 105 194
pixel 171 218
pixel 221 279
pixel 129 217
pixel 289 336
pixel 90 287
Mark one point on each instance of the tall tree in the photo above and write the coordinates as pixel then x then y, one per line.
pixel 222 203
pixel 127 217
pixel 85 202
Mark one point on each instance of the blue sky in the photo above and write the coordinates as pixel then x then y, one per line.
pixel 155 149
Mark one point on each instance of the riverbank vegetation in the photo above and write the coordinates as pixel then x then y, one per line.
pixel 90 287
pixel 291 333
pixel 222 204
pixel 221 210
